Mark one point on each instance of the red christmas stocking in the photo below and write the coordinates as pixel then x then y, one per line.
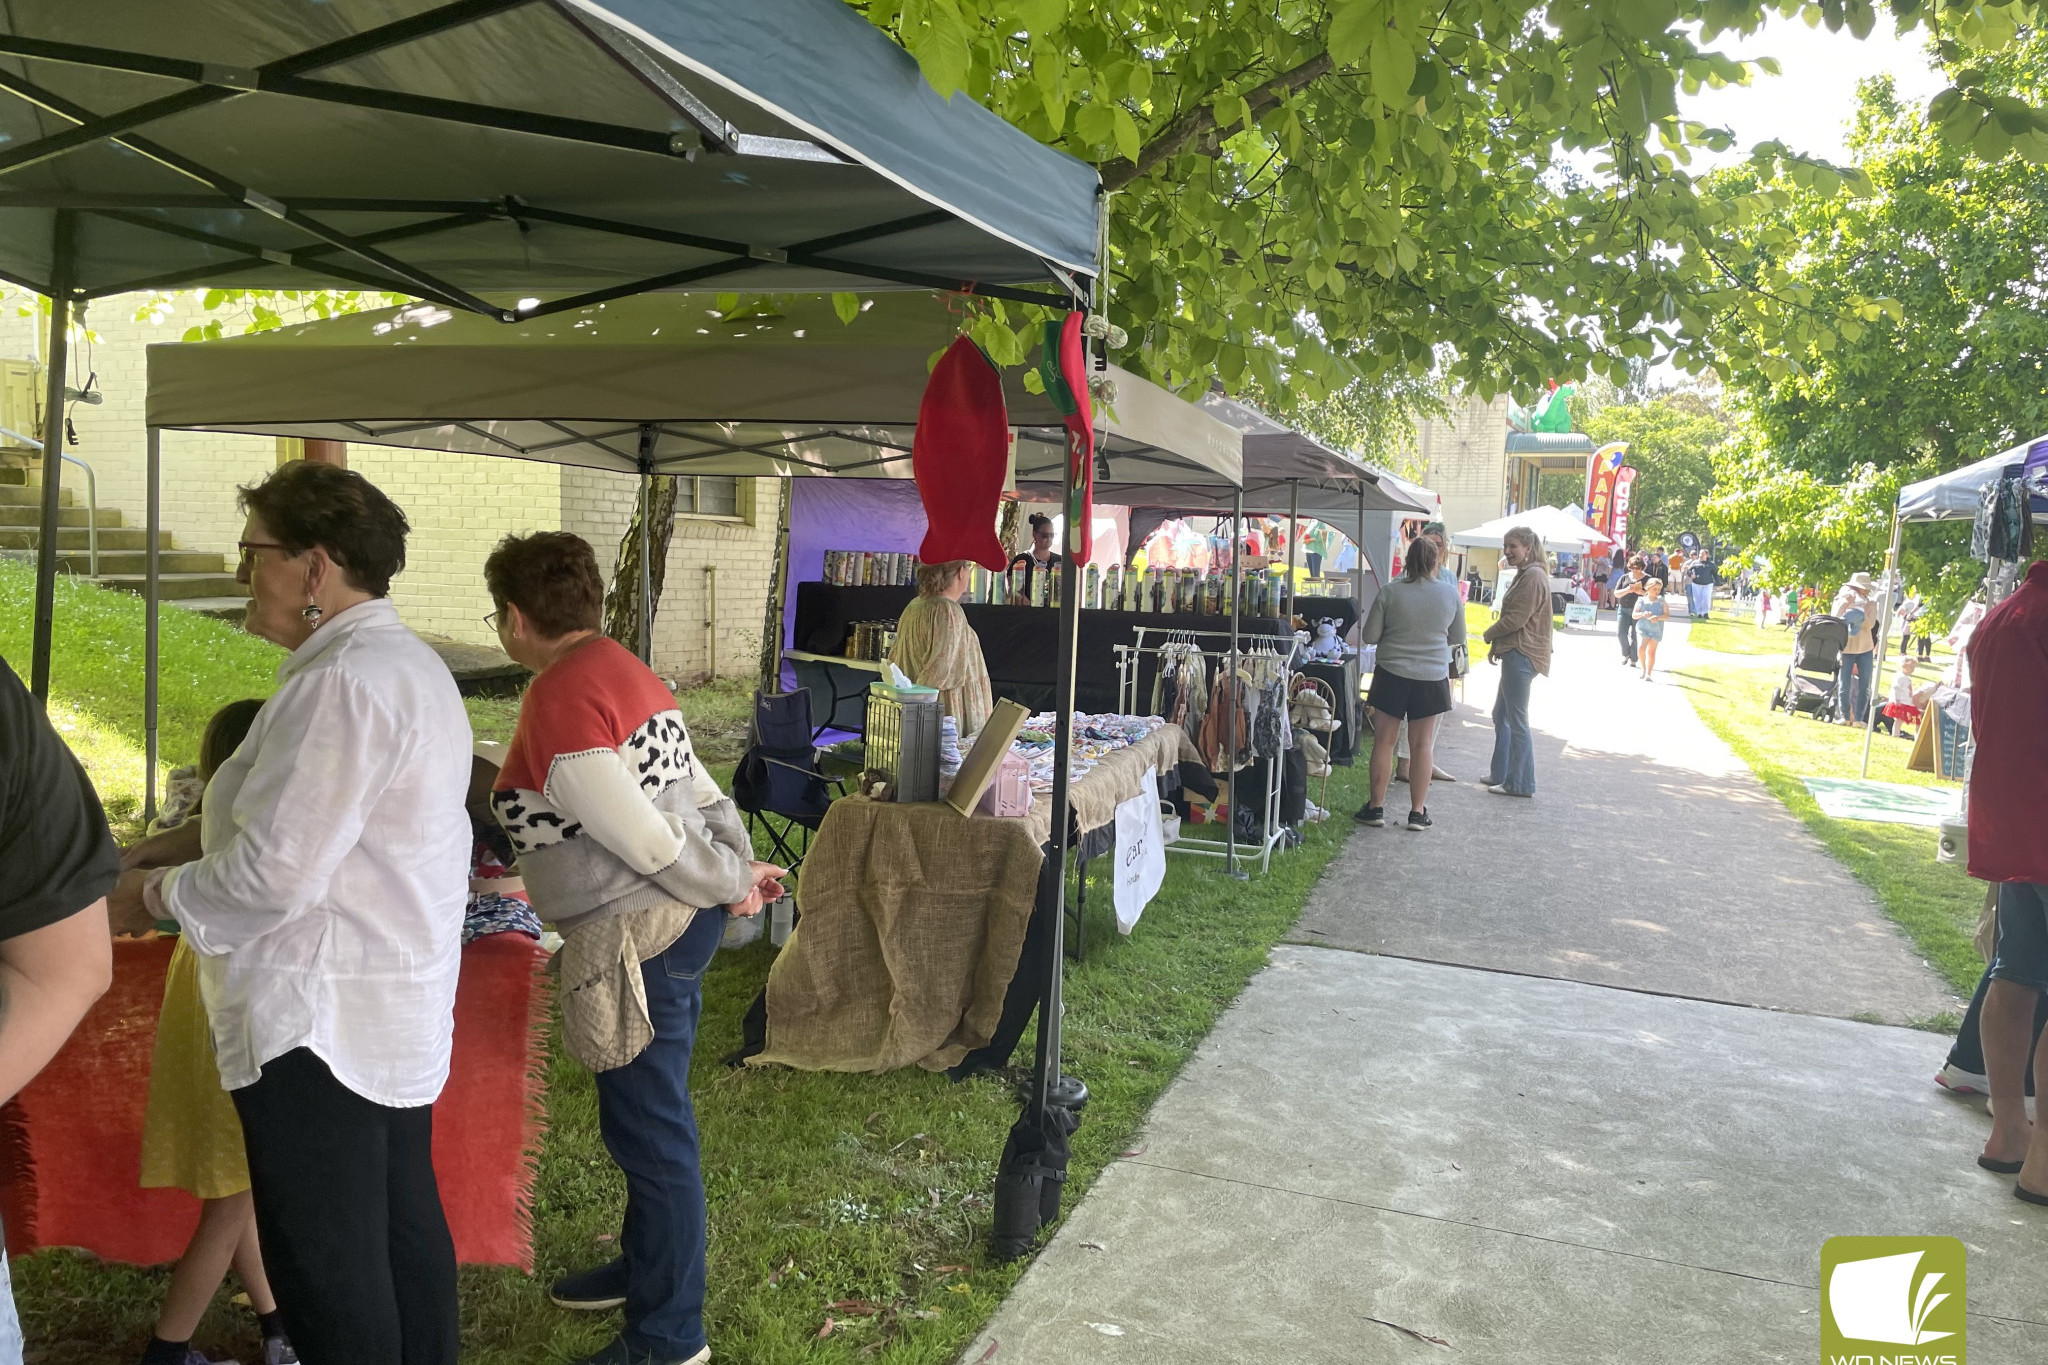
pixel 959 456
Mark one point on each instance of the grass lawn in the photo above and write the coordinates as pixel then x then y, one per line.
pixel 862 1202
pixel 96 686
pixel 1727 634
pixel 1935 903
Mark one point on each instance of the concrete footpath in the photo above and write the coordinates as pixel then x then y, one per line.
pixel 1500 1103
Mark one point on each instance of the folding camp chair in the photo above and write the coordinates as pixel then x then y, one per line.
pixel 778 783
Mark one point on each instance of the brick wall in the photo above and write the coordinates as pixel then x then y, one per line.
pixel 200 469
pixel 459 505
pixel 598 505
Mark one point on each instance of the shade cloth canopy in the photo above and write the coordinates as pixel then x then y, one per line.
pixel 1561 532
pixel 1954 496
pixel 783 388
pixel 1280 464
pixel 573 147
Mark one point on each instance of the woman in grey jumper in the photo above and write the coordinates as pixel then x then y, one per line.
pixel 1415 621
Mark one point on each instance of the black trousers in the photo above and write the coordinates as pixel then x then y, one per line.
pixel 350 1218
pixel 1625 626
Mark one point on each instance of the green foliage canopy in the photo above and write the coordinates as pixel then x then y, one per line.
pixel 1948 371
pixel 1307 194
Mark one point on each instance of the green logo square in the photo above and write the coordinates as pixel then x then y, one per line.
pixel 1892 1301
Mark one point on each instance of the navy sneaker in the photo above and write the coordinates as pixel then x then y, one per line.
pixel 1371 815
pixel 594 1291
pixel 1418 819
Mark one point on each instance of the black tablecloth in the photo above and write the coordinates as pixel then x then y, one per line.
pixel 1342 610
pixel 1020 644
pixel 1344 681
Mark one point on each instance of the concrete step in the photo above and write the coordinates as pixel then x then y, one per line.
pixel 31 495
pixel 178 585
pixel 135 562
pixel 77 538
pixel 32 516
pixel 219 608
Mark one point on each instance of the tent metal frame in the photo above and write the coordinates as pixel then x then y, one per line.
pixel 359 259
pixel 375 268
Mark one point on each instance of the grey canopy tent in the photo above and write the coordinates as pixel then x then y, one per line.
pixel 1287 473
pixel 580 149
pixel 661 384
pixel 1954 496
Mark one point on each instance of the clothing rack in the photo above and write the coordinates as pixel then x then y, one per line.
pixel 1271 831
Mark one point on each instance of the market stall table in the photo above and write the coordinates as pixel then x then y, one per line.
pixel 916 920
pixel 69 1168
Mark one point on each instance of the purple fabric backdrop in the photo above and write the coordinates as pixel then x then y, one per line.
pixel 846 514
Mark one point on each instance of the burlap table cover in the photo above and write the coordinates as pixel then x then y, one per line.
pixel 913 921
pixel 1115 779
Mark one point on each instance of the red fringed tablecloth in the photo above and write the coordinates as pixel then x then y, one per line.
pixel 71 1143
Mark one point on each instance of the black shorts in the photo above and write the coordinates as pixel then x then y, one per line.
pixel 1407 699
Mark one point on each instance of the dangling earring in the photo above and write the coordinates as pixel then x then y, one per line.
pixel 312 612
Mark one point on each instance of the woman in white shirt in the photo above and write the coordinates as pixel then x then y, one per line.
pixel 327 916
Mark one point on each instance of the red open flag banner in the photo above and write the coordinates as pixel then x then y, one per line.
pixel 1624 478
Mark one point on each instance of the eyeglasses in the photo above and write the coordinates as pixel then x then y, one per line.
pixel 493 619
pixel 248 549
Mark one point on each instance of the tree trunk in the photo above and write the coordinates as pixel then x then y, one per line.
pixel 622 603
pixel 778 591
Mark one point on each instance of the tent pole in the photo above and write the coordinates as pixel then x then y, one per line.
pixel 646 569
pixel 1230 868
pixel 1293 533
pixel 1048 1085
pixel 1884 635
pixel 151 667
pixel 1358 567
pixel 57 357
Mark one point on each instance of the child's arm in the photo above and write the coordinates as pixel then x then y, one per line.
pixel 179 844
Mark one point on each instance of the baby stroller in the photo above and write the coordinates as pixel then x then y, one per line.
pixel 1816 665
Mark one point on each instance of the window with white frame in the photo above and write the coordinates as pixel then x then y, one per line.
pixel 711 495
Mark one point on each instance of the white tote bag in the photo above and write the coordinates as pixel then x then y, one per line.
pixel 1140 854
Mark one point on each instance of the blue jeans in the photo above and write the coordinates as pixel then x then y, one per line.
pixel 644 1113
pixel 1514 753
pixel 1967 1054
pixel 2022 956
pixel 1852 688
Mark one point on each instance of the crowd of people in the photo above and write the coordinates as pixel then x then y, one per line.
pixel 320 893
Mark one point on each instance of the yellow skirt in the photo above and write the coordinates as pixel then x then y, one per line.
pixel 191 1138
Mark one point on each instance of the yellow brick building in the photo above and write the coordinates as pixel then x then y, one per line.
pixel 459 505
